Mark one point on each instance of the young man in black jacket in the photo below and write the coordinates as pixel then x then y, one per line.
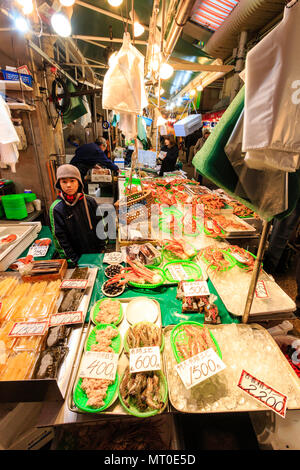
pixel 73 217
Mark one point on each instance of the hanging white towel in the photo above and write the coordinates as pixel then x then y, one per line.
pixel 8 138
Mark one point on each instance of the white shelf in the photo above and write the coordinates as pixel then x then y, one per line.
pixel 14 85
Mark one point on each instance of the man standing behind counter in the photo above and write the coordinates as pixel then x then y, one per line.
pixel 88 156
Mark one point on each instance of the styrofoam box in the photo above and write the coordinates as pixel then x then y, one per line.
pixel 188 125
pixel 96 178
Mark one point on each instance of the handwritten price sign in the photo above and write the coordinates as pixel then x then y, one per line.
pixel 66 318
pixel 200 367
pixel 99 365
pixel 195 288
pixel 38 251
pixel 263 393
pixel 74 284
pixel 144 359
pixel 177 272
pixel 261 291
pixel 29 328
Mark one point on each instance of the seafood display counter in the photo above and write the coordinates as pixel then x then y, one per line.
pixel 36 359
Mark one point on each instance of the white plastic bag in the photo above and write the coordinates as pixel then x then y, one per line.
pixel 271 134
pixel 123 84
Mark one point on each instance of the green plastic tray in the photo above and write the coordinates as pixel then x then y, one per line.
pixel 80 398
pixel 95 311
pixel 192 269
pixel 126 347
pixel 170 256
pixel 150 286
pixel 133 410
pixel 178 330
pixel 116 343
pixel 226 256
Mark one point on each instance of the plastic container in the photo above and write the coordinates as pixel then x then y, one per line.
pixel 192 270
pixel 150 286
pixel 14 206
pixel 162 342
pixel 116 343
pixel 29 197
pixel 178 334
pixel 80 398
pixel 96 309
pixel 133 410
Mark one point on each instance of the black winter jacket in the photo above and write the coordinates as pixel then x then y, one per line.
pixel 71 231
pixel 169 162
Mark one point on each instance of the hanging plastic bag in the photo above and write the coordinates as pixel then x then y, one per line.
pixel 271 135
pixel 123 84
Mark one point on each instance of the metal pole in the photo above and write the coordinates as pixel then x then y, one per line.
pixel 240 60
pixel 256 270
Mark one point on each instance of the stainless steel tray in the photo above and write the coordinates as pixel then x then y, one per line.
pixel 115 408
pixel 220 393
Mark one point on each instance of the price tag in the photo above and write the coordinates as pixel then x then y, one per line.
pixel 177 272
pixel 66 318
pixel 144 359
pixel 29 328
pixel 38 251
pixel 99 365
pixel 74 284
pixel 263 393
pixel 195 288
pixel 261 291
pixel 200 367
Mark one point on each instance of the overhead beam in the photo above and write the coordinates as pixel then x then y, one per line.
pixel 97 38
pixel 195 67
pixel 72 64
pixel 107 13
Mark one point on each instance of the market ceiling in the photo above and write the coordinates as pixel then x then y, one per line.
pixel 98 27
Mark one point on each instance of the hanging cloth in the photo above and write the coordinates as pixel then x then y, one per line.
pixel 9 139
pixel 271 134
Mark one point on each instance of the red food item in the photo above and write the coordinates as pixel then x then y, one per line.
pixel 9 238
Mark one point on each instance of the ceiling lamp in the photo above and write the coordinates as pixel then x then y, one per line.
pixel 21 24
pixel 166 71
pixel 138 29
pixel 67 3
pixel 192 93
pixel 115 3
pixel 61 24
pixel 200 88
pixel 27 6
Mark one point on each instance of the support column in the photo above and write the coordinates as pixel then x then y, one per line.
pixel 239 66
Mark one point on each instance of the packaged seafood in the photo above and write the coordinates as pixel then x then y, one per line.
pixel 48 363
pixel 5 329
pixel 33 343
pixel 143 394
pixel 19 366
pixel 7 286
pixel 57 336
pixel 145 254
